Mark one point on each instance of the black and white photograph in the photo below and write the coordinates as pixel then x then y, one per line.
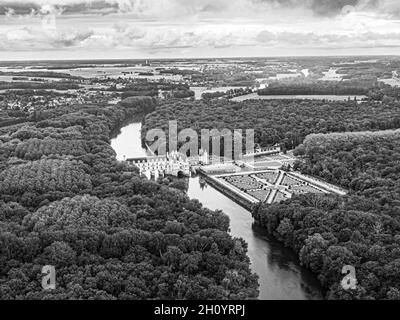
pixel 199 150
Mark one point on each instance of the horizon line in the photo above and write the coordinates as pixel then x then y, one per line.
pixel 206 58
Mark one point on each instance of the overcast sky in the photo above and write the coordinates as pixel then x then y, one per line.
pixel 85 29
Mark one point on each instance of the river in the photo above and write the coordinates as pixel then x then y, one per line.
pixel 280 275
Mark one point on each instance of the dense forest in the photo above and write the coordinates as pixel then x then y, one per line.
pixel 286 122
pixel 361 229
pixel 329 232
pixel 368 163
pixel 66 201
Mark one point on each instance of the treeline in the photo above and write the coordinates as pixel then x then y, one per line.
pixel 109 233
pixel 315 88
pixel 175 71
pixel 143 87
pixel 212 95
pixel 58 85
pixel 11 121
pixel 226 77
pixel 229 94
pixel 275 121
pixel 377 91
pixel 40 74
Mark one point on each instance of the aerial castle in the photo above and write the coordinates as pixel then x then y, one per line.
pixel 174 164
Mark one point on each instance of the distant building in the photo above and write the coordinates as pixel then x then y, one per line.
pixel 276 149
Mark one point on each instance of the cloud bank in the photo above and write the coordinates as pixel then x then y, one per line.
pixel 186 28
pixel 168 8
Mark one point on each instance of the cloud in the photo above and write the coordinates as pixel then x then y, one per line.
pixel 25 39
pixel 71 39
pixel 329 40
pixel 193 8
pixel 161 26
pixel 68 7
pixel 18 8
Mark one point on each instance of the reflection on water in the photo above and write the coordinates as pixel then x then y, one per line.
pixel 280 275
pixel 128 144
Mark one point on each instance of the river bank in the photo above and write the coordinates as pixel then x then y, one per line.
pixel 280 275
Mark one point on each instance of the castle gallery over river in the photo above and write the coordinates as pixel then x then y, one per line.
pixel 264 177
